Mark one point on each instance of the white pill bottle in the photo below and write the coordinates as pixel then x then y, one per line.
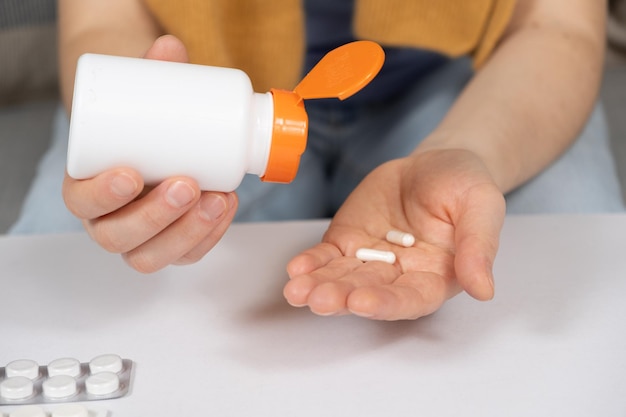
pixel 167 119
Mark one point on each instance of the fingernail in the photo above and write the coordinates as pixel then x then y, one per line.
pixel 296 304
pixel 362 314
pixel 123 185
pixel 326 314
pixel 231 199
pixel 212 207
pixel 180 194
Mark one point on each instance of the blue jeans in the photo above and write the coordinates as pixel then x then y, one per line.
pixel 345 144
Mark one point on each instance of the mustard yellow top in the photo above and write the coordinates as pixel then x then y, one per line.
pixel 265 38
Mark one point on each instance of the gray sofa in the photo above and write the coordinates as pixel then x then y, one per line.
pixel 28 95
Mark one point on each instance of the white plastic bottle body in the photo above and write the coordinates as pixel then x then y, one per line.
pixel 167 119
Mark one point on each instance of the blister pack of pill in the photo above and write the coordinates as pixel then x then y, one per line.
pixel 25 382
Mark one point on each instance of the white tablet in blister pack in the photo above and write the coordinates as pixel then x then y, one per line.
pixel 25 382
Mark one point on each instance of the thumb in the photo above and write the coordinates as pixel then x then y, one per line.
pixel 477 240
pixel 167 48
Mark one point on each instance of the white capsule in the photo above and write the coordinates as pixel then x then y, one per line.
pixel 365 254
pixel 400 238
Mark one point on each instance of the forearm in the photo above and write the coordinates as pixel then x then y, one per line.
pixel 530 100
pixel 116 27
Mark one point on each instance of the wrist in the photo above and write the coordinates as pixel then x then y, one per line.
pixel 501 165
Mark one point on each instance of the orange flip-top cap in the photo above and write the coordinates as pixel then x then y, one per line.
pixel 339 74
pixel 343 71
pixel 288 137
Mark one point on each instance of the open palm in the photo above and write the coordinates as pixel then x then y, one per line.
pixel 447 200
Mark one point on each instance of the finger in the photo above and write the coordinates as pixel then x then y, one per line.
pixel 327 264
pixel 477 240
pixel 167 48
pixel 410 297
pixel 137 222
pixel 312 259
pixel 297 290
pixel 326 290
pixel 209 206
pixel 107 192
pixel 329 298
pixel 204 224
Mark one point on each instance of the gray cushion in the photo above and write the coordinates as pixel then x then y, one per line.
pixel 28 61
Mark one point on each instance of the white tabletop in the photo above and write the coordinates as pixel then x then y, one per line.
pixel 218 339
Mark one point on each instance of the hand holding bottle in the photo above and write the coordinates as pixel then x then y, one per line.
pixel 173 223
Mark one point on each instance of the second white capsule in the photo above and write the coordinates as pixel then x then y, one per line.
pixel 400 238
